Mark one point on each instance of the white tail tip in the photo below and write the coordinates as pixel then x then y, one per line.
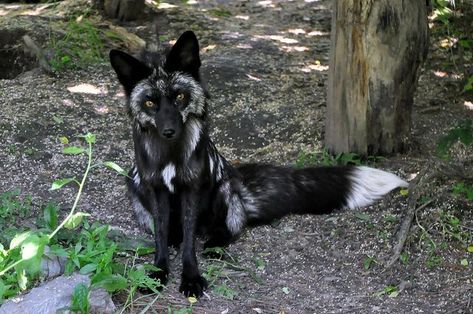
pixel 369 184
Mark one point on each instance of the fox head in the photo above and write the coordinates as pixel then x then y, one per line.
pixel 163 93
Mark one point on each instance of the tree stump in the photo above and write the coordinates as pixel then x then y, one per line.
pixel 377 49
pixel 122 10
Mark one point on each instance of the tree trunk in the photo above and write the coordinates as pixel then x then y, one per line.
pixel 122 10
pixel 377 49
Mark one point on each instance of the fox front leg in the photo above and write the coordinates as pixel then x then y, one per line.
pixel 160 212
pixel 192 283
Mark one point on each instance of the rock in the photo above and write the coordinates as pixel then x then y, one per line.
pixel 52 265
pixel 101 302
pixel 55 295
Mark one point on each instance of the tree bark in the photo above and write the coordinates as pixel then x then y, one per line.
pixel 377 49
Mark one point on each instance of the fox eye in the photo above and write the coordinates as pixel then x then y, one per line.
pixel 180 97
pixel 149 104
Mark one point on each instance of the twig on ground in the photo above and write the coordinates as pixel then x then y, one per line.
pixel 403 233
pixel 434 168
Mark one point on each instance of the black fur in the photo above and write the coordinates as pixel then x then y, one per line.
pixel 181 185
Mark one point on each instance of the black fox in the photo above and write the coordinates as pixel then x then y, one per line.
pixel 180 185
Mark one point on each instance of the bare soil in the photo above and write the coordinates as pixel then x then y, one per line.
pixel 266 63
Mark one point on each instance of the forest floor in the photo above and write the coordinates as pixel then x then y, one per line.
pixel 266 64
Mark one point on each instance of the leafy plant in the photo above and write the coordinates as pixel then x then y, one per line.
pixel 464 190
pixel 82 44
pixel 324 158
pixel 91 253
pixel 462 133
pixel 80 299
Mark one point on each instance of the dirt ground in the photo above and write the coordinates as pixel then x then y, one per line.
pixel 266 63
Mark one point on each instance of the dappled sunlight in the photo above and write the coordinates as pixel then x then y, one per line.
pixel 317 33
pixel 254 78
pixel 3 12
pixel 36 11
pixel 296 31
pixel 85 88
pixel 294 48
pixel 101 109
pixel 242 17
pixel 278 38
pixel 208 48
pixel 244 46
pixel 68 103
pixel 468 105
pixel 443 74
pixel 267 4
pixel 316 66
pixel 232 35
pixel 165 5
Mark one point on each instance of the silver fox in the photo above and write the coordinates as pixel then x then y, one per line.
pixel 181 185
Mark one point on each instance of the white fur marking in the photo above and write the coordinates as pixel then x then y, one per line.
pixel 169 172
pixel 144 217
pixel 136 177
pixel 194 128
pixel 369 184
pixel 236 213
pixel 211 165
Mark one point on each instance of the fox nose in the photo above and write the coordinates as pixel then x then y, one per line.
pixel 169 133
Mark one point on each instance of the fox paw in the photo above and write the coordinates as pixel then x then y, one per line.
pixel 193 286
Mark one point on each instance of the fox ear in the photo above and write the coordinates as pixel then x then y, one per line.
pixel 184 55
pixel 129 69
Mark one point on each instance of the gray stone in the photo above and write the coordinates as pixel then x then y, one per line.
pixel 55 295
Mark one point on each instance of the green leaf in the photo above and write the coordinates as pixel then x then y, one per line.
pixel 469 85
pixel 404 257
pixel 73 150
pixel 470 249
pixel 144 250
pixel 89 138
pixel 404 192
pixel 88 269
pixel 80 298
pixel 464 262
pixel 110 282
pixel 59 183
pixel 75 220
pixel 32 250
pixel 114 166
pixel 22 280
pixel 64 140
pixel 285 290
pixel 50 216
pixel 363 216
pixel 57 119
pixel 3 289
pixel 368 262
pixel 18 239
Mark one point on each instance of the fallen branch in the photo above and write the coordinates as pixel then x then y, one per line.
pixel 403 233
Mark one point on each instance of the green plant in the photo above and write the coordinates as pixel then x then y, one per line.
pixel 369 262
pixel 80 299
pixel 12 206
pixel 463 133
pixel 90 254
pixel 82 44
pixel 463 189
pixel 391 291
pixel 306 159
pixel 220 12
pixel 219 274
